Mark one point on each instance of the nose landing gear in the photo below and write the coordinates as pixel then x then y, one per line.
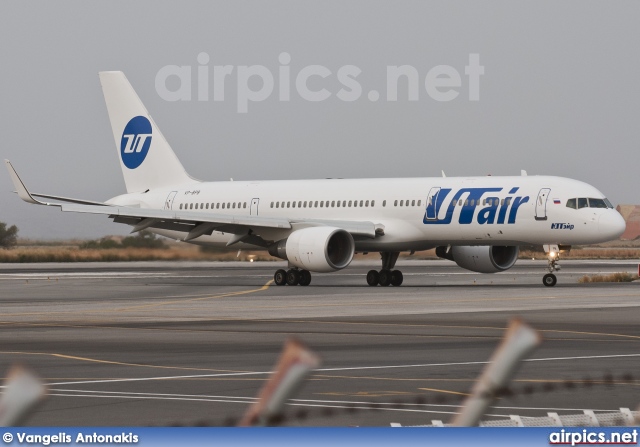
pixel 553 257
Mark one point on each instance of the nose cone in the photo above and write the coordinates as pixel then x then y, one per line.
pixel 611 224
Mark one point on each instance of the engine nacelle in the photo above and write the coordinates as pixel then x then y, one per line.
pixel 317 249
pixel 481 258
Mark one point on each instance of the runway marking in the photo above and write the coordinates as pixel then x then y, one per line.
pixel 221 295
pixel 111 362
pixel 294 402
pixel 354 368
pixel 198 297
pixel 365 323
pixel 324 334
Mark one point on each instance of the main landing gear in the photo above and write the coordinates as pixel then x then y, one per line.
pixel 387 276
pixel 553 257
pixel 292 277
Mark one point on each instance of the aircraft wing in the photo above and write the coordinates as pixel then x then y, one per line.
pixel 193 224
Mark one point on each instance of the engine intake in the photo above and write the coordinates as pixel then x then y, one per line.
pixel 481 258
pixel 317 249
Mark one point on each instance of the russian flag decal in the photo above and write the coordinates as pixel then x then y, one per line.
pixel 556 201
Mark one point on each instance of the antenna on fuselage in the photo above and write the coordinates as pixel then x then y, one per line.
pixel 523 172
pixel 443 174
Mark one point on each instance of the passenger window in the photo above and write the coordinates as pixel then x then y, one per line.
pixel 571 203
pixel 223 206
pixel 181 206
pixel 299 204
pixel 277 204
pixel 288 204
pixel 350 202
pixel 338 204
pixel 321 203
pixel 384 203
pixel 460 202
pixel 361 204
pixel 419 201
pixel 207 206
pixel 293 204
pixel 217 205
pixel 466 202
pixel 395 203
pixel 373 203
pixel 234 205
pixel 366 203
pixel 472 202
pixel 413 203
pixel 402 203
pixel 316 204
pixel 344 203
pixel 304 204
pixel 582 203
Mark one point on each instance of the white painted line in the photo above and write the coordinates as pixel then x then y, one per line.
pixel 354 368
pixel 313 401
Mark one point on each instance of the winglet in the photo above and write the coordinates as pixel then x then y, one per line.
pixel 22 191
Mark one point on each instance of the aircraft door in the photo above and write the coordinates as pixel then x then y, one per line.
pixel 541 204
pixel 432 199
pixel 168 204
pixel 254 207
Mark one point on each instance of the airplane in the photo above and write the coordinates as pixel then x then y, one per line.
pixel 318 225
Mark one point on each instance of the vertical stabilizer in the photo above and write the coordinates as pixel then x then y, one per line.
pixel 146 159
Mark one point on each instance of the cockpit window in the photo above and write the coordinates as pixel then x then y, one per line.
pixel 588 203
pixel 597 203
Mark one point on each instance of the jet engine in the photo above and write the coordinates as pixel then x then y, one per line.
pixel 481 258
pixel 317 249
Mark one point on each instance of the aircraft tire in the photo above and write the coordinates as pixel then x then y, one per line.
pixel 293 277
pixel 549 280
pixel 385 278
pixel 396 278
pixel 280 277
pixel 373 277
pixel 305 278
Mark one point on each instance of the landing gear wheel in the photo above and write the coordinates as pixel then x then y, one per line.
pixel 293 277
pixel 384 278
pixel 396 278
pixel 305 278
pixel 373 278
pixel 280 277
pixel 549 280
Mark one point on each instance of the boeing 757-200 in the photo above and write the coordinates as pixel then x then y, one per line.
pixel 318 225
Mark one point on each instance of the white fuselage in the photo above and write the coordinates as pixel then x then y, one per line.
pixel 415 213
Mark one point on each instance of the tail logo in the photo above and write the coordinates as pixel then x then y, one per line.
pixel 135 143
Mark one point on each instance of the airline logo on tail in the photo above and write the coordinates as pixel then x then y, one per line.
pixel 135 143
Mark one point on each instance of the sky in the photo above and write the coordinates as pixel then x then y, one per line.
pixel 560 94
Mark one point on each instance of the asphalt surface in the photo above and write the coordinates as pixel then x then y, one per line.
pixel 192 343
